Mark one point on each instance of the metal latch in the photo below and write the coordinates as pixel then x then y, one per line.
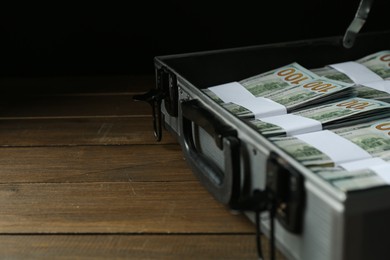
pixel 167 90
pixel 154 98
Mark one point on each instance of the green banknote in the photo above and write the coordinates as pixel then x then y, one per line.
pixel 377 62
pixel 272 81
pixel 373 137
pixel 294 98
pixel 349 180
pixel 278 79
pixel 333 115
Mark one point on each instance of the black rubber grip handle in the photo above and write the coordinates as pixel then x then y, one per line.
pixel 223 184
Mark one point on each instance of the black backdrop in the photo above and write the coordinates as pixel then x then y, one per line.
pixel 111 38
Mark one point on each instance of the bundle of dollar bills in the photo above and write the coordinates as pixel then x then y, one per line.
pixel 367 174
pixel 271 81
pixel 329 116
pixel 293 98
pixel 346 180
pixel 372 137
pixel 274 81
pixel 378 63
pixel 340 102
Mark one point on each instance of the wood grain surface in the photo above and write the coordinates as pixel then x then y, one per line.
pixel 82 177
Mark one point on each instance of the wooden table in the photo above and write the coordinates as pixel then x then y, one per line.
pixel 83 177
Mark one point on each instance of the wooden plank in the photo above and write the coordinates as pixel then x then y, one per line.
pixel 77 84
pixel 79 131
pixel 93 164
pixel 237 246
pixel 73 106
pixel 132 207
pixel 77 183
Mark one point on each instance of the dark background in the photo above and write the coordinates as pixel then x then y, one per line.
pixel 110 38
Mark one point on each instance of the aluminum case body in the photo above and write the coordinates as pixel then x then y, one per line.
pixel 335 225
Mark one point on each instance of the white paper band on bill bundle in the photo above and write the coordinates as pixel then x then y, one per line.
pixel 294 124
pixel 231 92
pixel 383 171
pixel 339 149
pixel 357 72
pixel 362 164
pixel 262 107
pixel 377 165
pixel 383 85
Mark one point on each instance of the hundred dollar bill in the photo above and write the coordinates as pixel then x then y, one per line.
pixel 294 98
pixel 331 115
pixel 271 81
pixel 362 175
pixel 350 180
pixel 378 62
pixel 367 92
pixel 372 137
pixel 338 172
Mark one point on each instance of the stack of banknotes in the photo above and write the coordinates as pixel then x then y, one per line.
pixel 350 158
pixel 334 120
pixel 377 63
pixel 326 116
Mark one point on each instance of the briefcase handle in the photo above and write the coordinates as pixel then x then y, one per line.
pixel 224 185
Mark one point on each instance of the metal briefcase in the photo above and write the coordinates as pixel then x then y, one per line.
pixel 236 164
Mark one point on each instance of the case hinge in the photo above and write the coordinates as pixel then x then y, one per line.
pixel 167 82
